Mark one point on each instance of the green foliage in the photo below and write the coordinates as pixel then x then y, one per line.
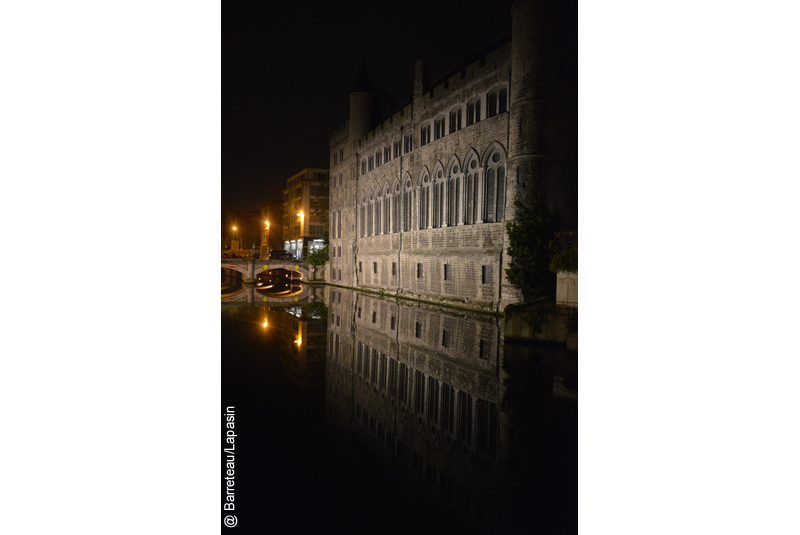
pixel 320 256
pixel 530 236
pixel 572 322
pixel 316 310
pixel 566 260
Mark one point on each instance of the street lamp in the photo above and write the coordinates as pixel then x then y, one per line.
pixel 234 237
pixel 302 233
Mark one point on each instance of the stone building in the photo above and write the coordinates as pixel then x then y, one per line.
pixel 305 206
pixel 419 198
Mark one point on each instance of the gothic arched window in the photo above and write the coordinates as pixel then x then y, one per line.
pixel 495 186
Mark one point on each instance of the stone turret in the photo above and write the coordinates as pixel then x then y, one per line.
pixel 542 138
pixel 362 104
pixel 539 136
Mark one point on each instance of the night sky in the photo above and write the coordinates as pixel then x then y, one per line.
pixel 287 73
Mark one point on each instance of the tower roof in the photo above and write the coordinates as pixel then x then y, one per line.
pixel 362 79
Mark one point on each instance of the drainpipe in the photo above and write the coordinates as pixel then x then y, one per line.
pixel 354 248
pixel 400 227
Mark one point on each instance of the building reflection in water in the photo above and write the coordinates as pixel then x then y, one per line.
pixel 419 390
pixel 429 410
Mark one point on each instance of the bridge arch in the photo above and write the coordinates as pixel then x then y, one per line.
pixel 268 265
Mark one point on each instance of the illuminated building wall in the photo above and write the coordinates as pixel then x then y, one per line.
pixel 420 197
pixel 306 193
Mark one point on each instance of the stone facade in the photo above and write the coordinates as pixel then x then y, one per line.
pixel 419 201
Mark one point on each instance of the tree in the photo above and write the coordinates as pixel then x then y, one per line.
pixel 320 256
pixel 530 238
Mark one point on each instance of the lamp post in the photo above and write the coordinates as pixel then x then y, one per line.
pixel 302 232
pixel 234 237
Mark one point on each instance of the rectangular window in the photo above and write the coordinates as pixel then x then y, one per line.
pixel 486 274
pixel 483 349
pixel 407 144
pixel 402 383
pixel 419 391
pixel 374 316
pixel 359 267
pixel 375 267
pixel 382 372
pixel 487 426
pixel 370 166
pixel 448 405
pixel 464 412
pixel 392 322
pixel 419 271
pixel 392 378
pixel 433 399
pixel 394 268
pixel 418 330
pixel 445 338
pixel 378 159
pixel 448 272
pixel 363 167
pixel 359 312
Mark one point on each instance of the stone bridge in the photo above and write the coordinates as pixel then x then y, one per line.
pixel 251 268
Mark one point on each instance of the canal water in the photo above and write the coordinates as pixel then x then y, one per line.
pixel 365 413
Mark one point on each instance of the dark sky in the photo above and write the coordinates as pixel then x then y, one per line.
pixel 287 71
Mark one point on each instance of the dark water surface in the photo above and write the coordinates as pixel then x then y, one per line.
pixel 366 415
